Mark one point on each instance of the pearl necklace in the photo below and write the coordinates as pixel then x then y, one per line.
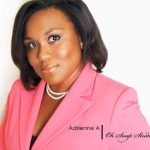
pixel 54 95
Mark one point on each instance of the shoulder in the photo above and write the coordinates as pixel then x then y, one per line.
pixel 109 84
pixel 17 85
pixel 112 90
pixel 15 90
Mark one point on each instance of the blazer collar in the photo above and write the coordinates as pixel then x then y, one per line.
pixel 77 101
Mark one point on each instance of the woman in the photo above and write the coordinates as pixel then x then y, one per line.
pixel 62 101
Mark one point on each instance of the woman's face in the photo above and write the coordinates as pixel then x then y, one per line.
pixel 53 47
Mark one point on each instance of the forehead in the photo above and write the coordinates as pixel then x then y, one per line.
pixel 45 19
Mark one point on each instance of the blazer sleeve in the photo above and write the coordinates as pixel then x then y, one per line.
pixel 129 127
pixel 3 131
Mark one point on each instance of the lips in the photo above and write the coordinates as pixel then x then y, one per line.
pixel 49 68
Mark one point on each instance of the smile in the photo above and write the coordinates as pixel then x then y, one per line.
pixel 49 69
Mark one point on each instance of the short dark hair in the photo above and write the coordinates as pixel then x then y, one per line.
pixel 94 49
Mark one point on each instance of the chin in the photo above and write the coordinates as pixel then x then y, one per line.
pixel 53 80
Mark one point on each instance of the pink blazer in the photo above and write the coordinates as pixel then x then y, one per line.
pixel 97 113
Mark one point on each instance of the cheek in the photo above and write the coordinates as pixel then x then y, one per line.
pixel 32 60
pixel 69 53
pixel 64 54
pixel 29 59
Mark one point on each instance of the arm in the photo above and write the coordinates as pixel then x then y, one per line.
pixel 3 131
pixel 2 128
pixel 128 120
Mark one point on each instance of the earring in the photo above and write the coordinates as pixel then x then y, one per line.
pixel 94 67
pixel 81 45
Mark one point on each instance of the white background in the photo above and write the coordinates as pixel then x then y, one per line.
pixel 125 29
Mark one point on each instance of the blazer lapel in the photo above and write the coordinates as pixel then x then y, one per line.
pixel 29 107
pixel 76 102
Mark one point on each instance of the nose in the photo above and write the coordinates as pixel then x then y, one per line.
pixel 44 52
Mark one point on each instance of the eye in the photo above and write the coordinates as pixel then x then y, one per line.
pixel 31 45
pixel 54 38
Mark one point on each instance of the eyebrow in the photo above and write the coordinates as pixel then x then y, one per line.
pixel 45 33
